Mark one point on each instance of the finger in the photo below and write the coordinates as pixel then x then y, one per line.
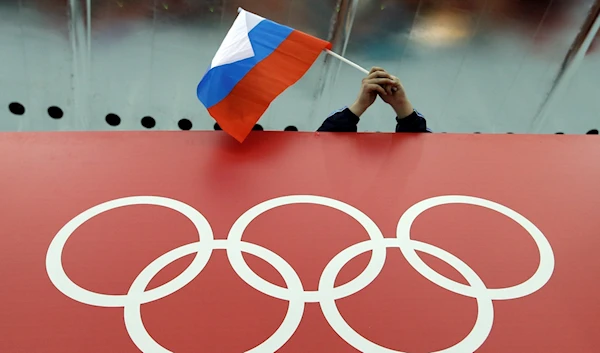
pixel 389 89
pixel 380 81
pixel 396 85
pixel 379 74
pixel 371 87
pixel 375 68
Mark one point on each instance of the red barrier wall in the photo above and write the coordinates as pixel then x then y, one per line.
pixel 505 229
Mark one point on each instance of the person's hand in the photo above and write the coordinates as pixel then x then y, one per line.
pixel 396 98
pixel 372 86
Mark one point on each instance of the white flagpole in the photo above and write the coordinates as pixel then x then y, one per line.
pixel 354 65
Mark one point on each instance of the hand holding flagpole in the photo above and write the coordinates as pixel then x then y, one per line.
pixel 351 63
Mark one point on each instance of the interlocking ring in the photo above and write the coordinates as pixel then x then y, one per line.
pixel 63 283
pixel 243 270
pixel 294 292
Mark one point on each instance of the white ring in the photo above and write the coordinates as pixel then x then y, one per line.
pixel 327 293
pixel 534 283
pixel 64 284
pixel 132 313
pixel 485 308
pixel 249 276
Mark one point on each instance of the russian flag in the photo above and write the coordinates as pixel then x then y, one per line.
pixel 257 61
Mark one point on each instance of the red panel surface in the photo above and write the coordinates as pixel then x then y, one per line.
pixel 47 179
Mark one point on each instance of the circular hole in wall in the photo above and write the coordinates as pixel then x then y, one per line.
pixel 16 108
pixel 184 124
pixel 217 127
pixel 148 122
pixel 291 128
pixel 257 127
pixel 112 119
pixel 592 132
pixel 55 112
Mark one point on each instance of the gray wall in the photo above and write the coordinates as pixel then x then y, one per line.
pixel 485 65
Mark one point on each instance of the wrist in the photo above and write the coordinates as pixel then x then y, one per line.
pixel 358 109
pixel 403 108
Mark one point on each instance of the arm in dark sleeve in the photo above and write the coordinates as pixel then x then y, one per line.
pixel 415 122
pixel 346 121
pixel 341 121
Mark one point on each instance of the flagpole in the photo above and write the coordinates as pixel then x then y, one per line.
pixel 341 58
pixel 353 64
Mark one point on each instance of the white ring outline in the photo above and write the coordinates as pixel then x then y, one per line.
pixel 485 308
pixel 297 297
pixel 251 278
pixel 534 283
pixel 63 283
pixel 132 310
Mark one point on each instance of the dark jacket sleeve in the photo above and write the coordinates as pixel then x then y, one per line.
pixel 415 122
pixel 346 121
pixel 341 121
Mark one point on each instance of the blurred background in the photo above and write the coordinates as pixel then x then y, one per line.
pixel 490 66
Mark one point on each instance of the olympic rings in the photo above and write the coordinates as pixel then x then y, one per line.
pixel 294 292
